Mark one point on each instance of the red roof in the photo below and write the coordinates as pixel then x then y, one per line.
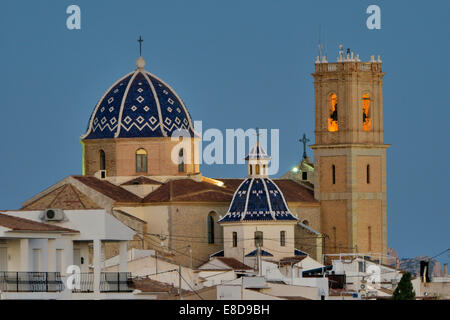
pixel 21 224
pixel 234 263
pixel 181 190
pixel 189 190
pixel 108 189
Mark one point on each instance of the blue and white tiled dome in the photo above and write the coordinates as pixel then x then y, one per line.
pixel 258 199
pixel 139 105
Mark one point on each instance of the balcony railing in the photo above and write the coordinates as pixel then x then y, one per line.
pixel 115 282
pixel 11 281
pixel 109 282
pixel 86 283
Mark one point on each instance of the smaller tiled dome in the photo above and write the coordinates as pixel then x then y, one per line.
pixel 258 199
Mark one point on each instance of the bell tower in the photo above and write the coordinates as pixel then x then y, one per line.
pixel 349 154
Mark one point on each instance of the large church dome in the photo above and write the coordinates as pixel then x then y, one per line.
pixel 138 105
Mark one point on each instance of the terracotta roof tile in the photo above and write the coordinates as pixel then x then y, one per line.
pixel 66 197
pixel 234 263
pixel 150 285
pixel 108 189
pixel 189 190
pixel 21 224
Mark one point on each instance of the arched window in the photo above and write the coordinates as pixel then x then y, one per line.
pixel 257 169
pixel 251 169
pixel 366 119
pixel 333 113
pixel 305 222
pixel 264 169
pixel 102 160
pixel 141 160
pixel 368 174
pixel 210 225
pixel 283 238
pixel 234 239
pixel 258 238
pixel 333 174
pixel 181 160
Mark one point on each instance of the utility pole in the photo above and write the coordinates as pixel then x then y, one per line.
pixel 259 260
pixel 179 282
pixel 190 253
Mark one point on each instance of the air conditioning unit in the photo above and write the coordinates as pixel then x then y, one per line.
pixel 53 215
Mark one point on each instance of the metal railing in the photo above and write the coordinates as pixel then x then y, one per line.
pixel 109 282
pixel 115 282
pixel 86 283
pixel 11 281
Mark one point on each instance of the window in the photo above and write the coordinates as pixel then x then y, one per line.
pixel 368 174
pixel 305 222
pixel 210 222
pixel 251 169
pixel 234 239
pixel 257 169
pixel 258 238
pixel 361 266
pixel 369 231
pixel 283 238
pixel 304 175
pixel 333 113
pixel 102 160
pixel 264 169
pixel 181 160
pixel 333 174
pixel 141 160
pixel 366 119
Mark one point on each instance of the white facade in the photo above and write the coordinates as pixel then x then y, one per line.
pixel 28 252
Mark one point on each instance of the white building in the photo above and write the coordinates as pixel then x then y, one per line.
pixel 39 250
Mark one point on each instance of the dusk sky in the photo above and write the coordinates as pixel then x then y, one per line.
pixel 235 64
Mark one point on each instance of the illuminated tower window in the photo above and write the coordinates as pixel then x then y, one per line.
pixel 333 116
pixel 366 120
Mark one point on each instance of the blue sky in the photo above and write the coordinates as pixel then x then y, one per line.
pixel 236 64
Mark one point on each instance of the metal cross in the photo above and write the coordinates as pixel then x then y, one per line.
pixel 258 134
pixel 140 45
pixel 304 140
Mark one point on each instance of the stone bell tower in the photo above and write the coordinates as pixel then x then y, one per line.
pixel 349 154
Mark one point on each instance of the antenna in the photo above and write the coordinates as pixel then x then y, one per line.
pixel 320 47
